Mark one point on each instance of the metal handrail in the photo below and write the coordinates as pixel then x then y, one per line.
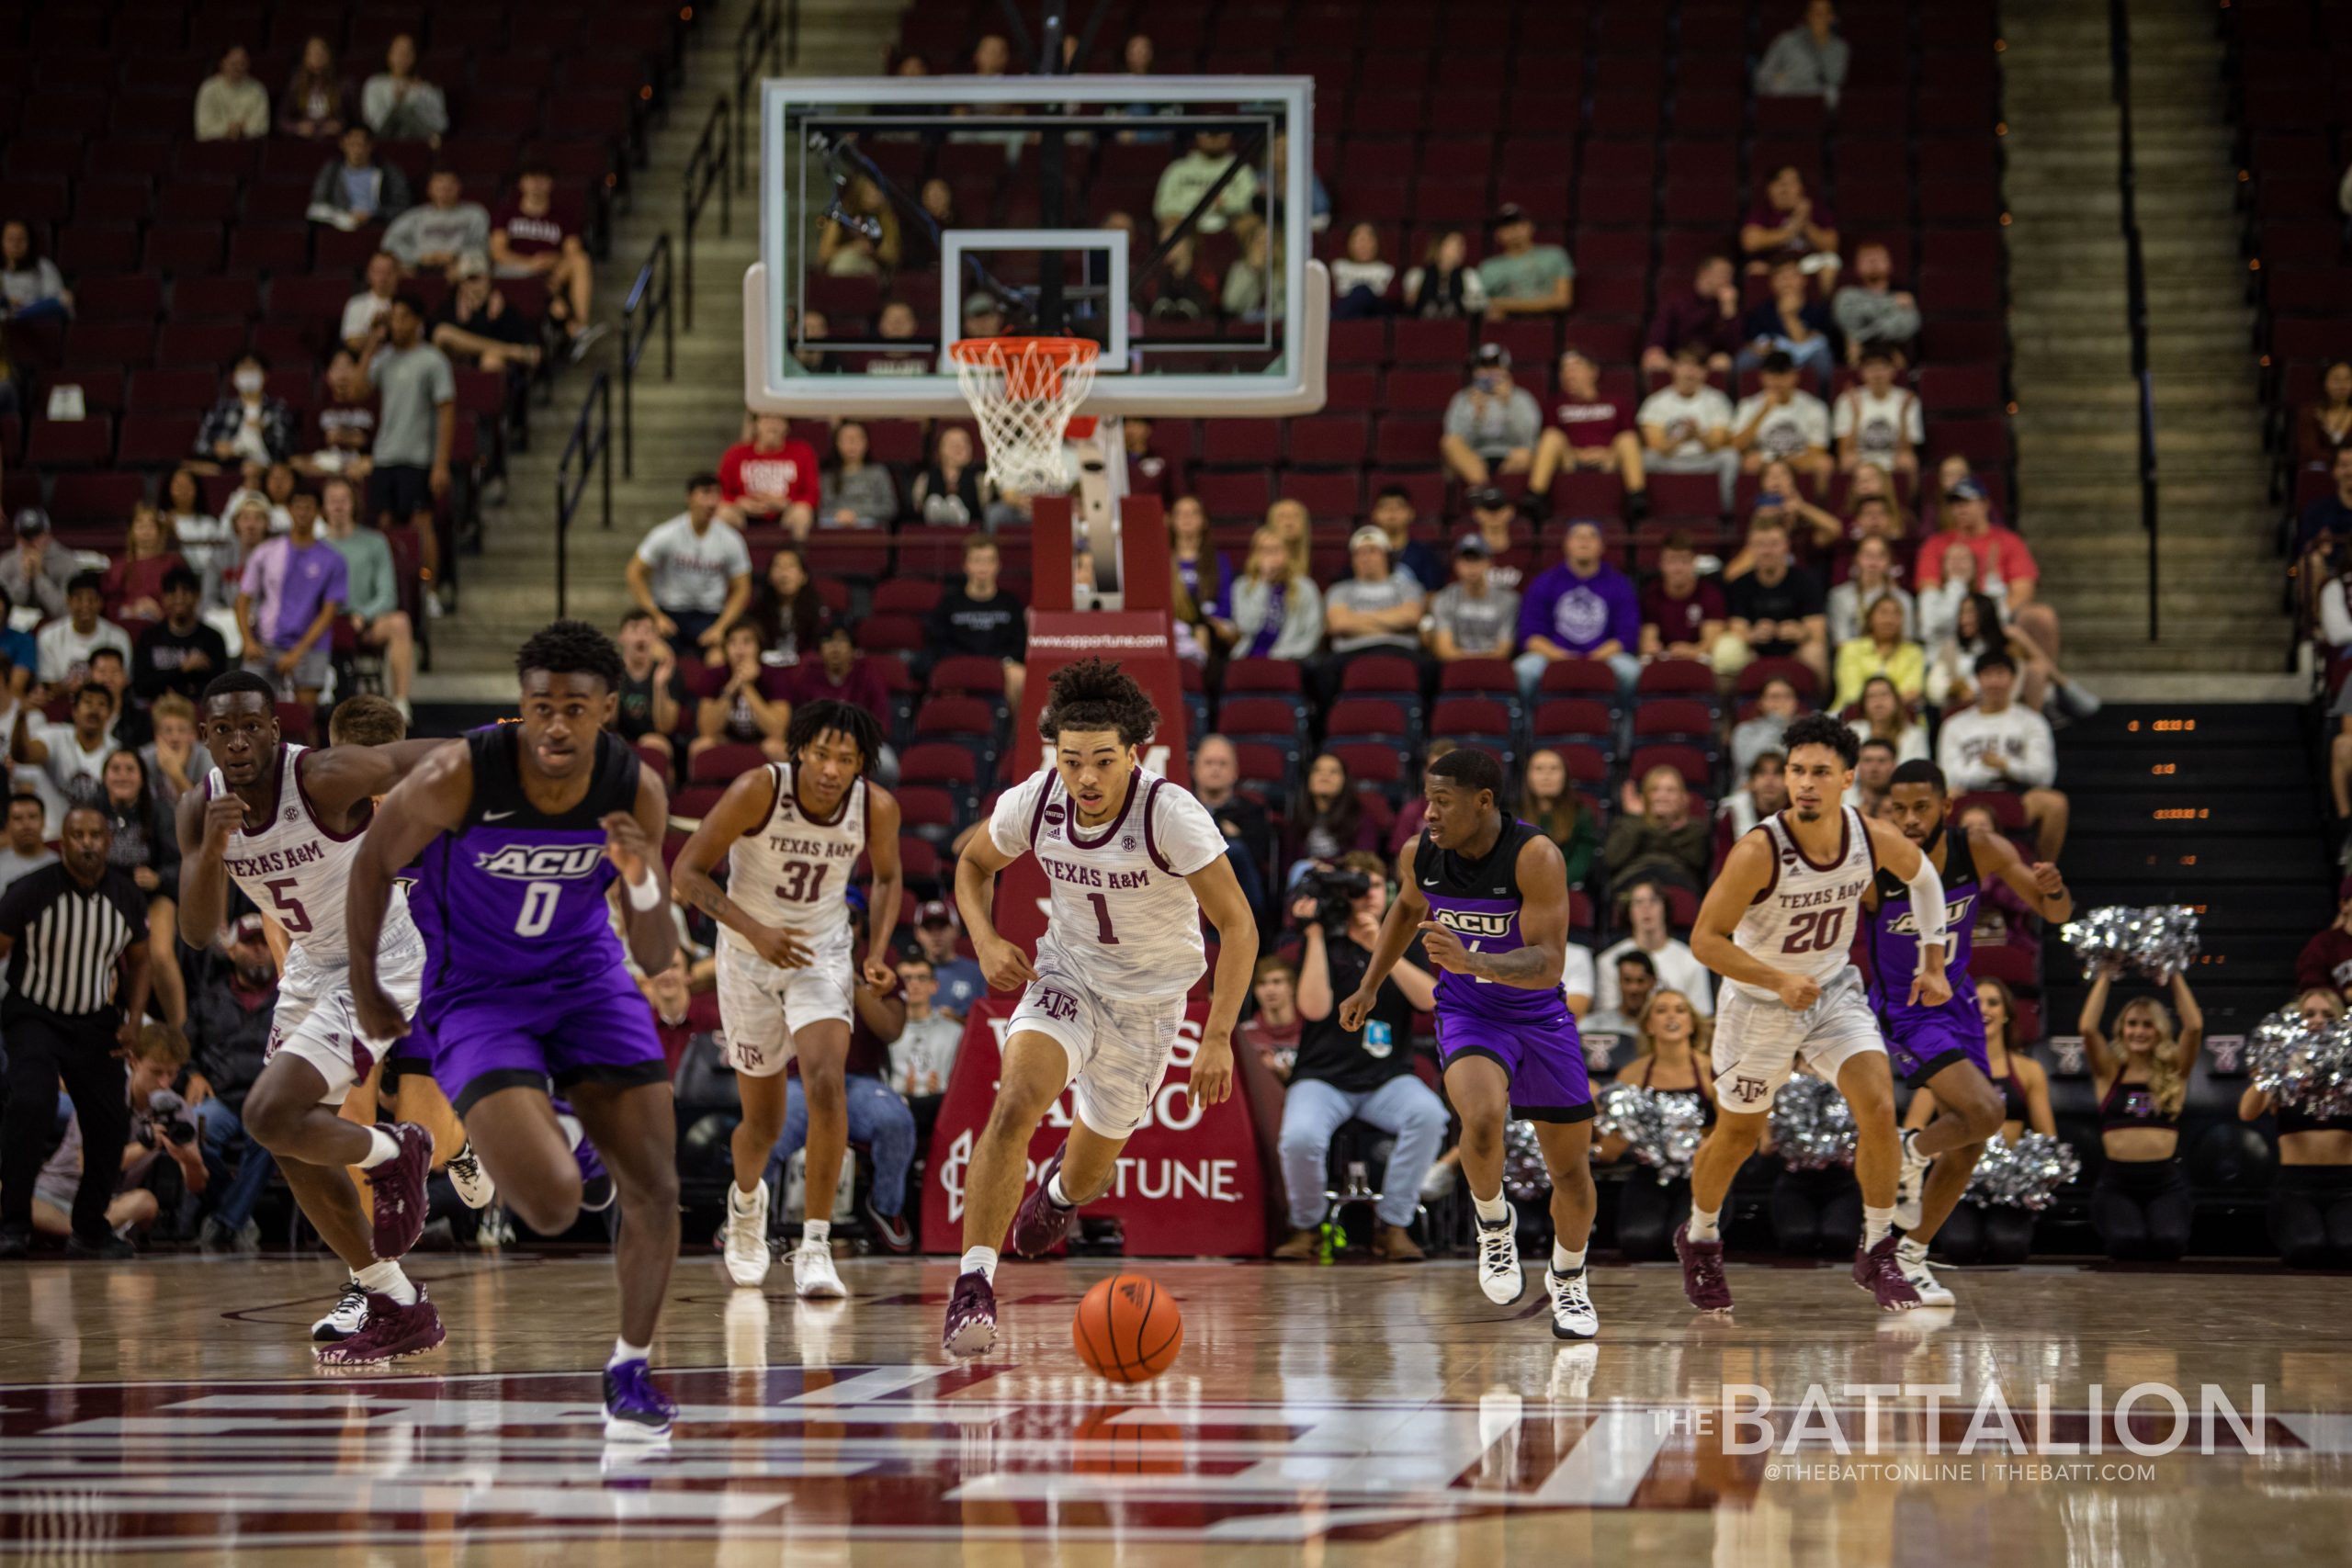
pixel 755 40
pixel 705 171
pixel 2135 279
pixel 591 447
pixel 649 302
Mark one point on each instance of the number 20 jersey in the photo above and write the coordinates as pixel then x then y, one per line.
pixel 1120 918
pixel 297 871
pixel 794 870
pixel 1806 919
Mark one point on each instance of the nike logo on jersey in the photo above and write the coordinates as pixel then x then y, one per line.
pixel 496 816
pixel 1430 881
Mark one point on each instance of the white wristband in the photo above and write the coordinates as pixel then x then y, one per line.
pixel 645 895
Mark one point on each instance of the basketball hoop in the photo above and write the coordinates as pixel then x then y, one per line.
pixel 1025 389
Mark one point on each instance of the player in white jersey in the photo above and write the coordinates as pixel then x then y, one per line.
pixel 284 823
pixel 1778 926
pixel 1133 862
pixel 791 834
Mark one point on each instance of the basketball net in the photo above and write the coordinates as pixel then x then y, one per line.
pixel 1023 390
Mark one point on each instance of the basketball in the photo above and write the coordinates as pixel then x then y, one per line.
pixel 1128 1329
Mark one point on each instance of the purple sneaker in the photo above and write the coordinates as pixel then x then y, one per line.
pixel 971 1316
pixel 398 1186
pixel 634 1408
pixel 1879 1271
pixel 1041 1222
pixel 390 1332
pixel 1702 1271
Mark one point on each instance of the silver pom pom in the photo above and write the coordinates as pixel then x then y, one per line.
pixel 1811 1128
pixel 1662 1130
pixel 2156 943
pixel 2310 1070
pixel 2026 1174
pixel 1524 1178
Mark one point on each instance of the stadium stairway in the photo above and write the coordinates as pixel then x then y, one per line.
pixel 2076 422
pixel 682 425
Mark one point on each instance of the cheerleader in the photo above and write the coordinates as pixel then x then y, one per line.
pixel 1995 1233
pixel 2140 1204
pixel 1671 1041
pixel 2311 1205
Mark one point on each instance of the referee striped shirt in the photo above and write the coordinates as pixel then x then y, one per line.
pixel 67 939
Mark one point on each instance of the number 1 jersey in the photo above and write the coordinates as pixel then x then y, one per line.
pixel 1806 919
pixel 1121 915
pixel 515 896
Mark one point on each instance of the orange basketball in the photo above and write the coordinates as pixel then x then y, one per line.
pixel 1128 1329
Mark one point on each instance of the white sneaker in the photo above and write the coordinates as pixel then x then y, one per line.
pixel 812 1271
pixel 747 1233
pixel 1572 1314
pixel 1499 1272
pixel 475 1188
pixel 349 1316
pixel 1913 1178
pixel 1911 1256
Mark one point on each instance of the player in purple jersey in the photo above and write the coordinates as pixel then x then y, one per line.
pixel 270 809
pixel 524 830
pixel 1941 1047
pixel 1489 896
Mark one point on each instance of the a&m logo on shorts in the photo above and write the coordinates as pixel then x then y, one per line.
pixel 1747 1090
pixel 1056 1004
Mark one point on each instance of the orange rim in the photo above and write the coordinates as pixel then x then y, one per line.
pixel 1032 366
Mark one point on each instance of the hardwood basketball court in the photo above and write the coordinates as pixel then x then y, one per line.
pixel 168 1411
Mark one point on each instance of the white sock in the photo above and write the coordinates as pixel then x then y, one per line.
pixel 982 1259
pixel 816 1233
pixel 741 1199
pixel 623 1352
pixel 1567 1262
pixel 386 1279
pixel 1058 1195
pixel 1702 1223
pixel 1491 1210
pixel 1876 1223
pixel 1911 1250
pixel 383 1147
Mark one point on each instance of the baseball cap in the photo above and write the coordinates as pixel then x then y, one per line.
pixel 1966 490
pixel 1472 547
pixel 249 927
pixel 1369 534
pixel 1493 356
pixel 1489 498
pixel 1508 212
pixel 935 913
pixel 32 520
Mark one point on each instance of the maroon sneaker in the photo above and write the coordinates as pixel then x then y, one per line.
pixel 391 1331
pixel 1702 1271
pixel 1879 1271
pixel 971 1316
pixel 1041 1222
pixel 398 1186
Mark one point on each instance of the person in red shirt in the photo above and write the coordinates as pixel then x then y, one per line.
pixel 532 236
pixel 2326 959
pixel 837 672
pixel 1590 430
pixel 1682 615
pixel 770 478
pixel 2000 555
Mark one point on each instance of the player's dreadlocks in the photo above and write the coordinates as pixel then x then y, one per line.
pixel 571 648
pixel 811 719
pixel 1094 694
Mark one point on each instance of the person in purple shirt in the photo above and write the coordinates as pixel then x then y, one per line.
pixel 287 601
pixel 1583 608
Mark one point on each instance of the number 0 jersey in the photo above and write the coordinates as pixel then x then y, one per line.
pixel 1807 916
pixel 513 895
pixel 794 870
pixel 297 871
pixel 1480 902
pixel 1121 915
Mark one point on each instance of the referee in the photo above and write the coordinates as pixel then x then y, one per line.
pixel 74 936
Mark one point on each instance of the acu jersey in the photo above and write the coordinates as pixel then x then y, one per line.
pixel 297 871
pixel 794 870
pixel 515 896
pixel 1806 920
pixel 1479 901
pixel 1894 929
pixel 1121 916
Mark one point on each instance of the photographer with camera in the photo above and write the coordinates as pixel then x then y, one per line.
pixel 1364 1074
pixel 160 1128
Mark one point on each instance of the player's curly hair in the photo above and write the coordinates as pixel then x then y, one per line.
pixel 1094 693
pixel 571 648
pixel 813 718
pixel 1822 730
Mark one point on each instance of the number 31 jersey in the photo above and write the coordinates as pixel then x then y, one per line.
pixel 794 869
pixel 1807 916
pixel 1121 916
pixel 297 871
